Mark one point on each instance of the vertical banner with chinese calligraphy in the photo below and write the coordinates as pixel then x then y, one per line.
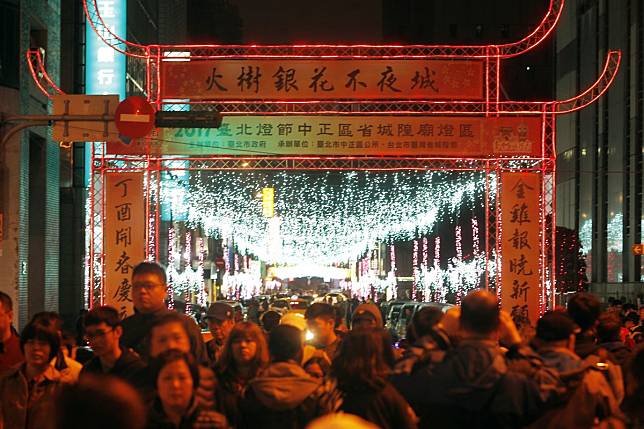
pixel 124 236
pixel 521 245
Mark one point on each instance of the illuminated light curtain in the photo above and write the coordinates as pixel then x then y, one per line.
pixel 329 217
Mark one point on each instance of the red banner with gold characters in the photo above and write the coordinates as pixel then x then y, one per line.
pixel 322 79
pixel 123 236
pixel 349 136
pixel 520 246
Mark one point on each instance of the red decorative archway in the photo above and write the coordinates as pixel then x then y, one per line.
pixel 159 58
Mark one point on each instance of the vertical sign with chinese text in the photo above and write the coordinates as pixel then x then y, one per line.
pixel 104 66
pixel 521 245
pixel 124 236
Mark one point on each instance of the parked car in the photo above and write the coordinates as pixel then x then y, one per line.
pixel 282 305
pixel 392 314
pixel 298 305
pixel 407 311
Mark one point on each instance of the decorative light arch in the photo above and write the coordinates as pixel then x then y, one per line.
pixel 490 106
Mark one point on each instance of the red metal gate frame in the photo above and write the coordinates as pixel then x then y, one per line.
pixel 154 55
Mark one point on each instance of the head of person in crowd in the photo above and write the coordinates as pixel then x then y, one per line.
pixel 245 353
pixel 557 329
pixel 285 344
pixel 221 319
pixel 103 331
pixel 176 378
pixel 99 402
pixel 366 316
pixel 40 344
pixel 480 315
pixel 6 316
pixel 295 319
pixel 631 320
pixel 169 332
pixel 50 318
pixel 609 327
pixel 360 360
pixel 320 318
pixel 270 320
pixel 341 421
pixel 423 323
pixel 584 308
pixel 149 287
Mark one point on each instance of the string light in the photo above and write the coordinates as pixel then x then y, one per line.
pixel 332 219
pixel 425 251
pixel 329 217
pixel 475 237
pixel 171 264
pixel 201 297
pixel 415 270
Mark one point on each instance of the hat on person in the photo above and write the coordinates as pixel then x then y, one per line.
pixel 220 311
pixel 556 326
pixel 294 319
pixel 364 311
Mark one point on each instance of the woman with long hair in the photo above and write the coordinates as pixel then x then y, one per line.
pixel 244 355
pixel 360 370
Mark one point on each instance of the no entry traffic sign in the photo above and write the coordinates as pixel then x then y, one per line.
pixel 134 117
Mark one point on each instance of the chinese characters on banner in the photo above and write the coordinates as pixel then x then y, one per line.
pixel 349 135
pixel 295 79
pixel 520 247
pixel 105 67
pixel 124 236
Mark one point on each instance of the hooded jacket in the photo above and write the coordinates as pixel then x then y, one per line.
pixel 474 388
pixel 588 397
pixel 282 396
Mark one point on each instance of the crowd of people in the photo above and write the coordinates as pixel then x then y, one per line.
pixel 467 368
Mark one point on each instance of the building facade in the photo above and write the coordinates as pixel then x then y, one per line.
pixel 599 167
pixel 29 162
pixel 43 184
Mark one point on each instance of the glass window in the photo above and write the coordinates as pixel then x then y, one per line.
pixel 9 45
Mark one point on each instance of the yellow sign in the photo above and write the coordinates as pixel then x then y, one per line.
pixel 521 246
pixel 268 202
pixel 123 237
pixel 322 79
pixel 348 136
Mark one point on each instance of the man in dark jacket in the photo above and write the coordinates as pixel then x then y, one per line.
pixel 221 319
pixel 103 330
pixel 584 308
pixel 283 395
pixel 608 330
pixel 320 318
pixel 149 291
pixel 473 387
pixel 588 398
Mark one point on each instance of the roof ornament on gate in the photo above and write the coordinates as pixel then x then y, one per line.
pixel 508 50
pixel 159 55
